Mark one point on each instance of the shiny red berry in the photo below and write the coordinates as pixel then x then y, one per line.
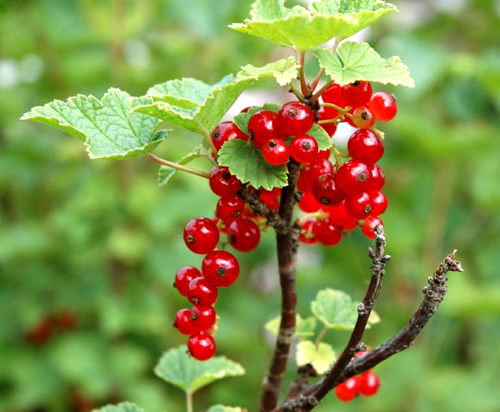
pixel 183 322
pixel 354 177
pixel 340 218
pixel 362 118
pixel 328 233
pixel 357 94
pixel 359 205
pixel 272 204
pixel 295 118
pixel 309 204
pixel 220 268
pixel 203 318
pixel 202 346
pixel 304 148
pixel 379 203
pixel 334 96
pixel 324 154
pixel 365 146
pixel 311 172
pixel 369 384
pixel 243 235
pixel 183 278
pixel 201 293
pixel 222 182
pixel 263 126
pixel 328 113
pixel 377 180
pixel 229 208
pixel 226 131
pixel 327 191
pixel 276 152
pixel 369 225
pixel 266 195
pixel 348 390
pixel 383 106
pixel 201 235
pixel 308 232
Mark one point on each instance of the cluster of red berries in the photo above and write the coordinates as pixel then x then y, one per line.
pixel 366 384
pixel 61 322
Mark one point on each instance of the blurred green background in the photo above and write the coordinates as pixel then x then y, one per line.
pixel 93 246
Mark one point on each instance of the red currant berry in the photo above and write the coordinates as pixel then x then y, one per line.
pixel 353 177
pixel 202 346
pixel 295 118
pixel 265 195
pixel 272 204
pixel 203 319
pixel 276 152
pixel 324 154
pixel 362 118
pixel 201 235
pixel 183 322
pixel 223 183
pixel 379 203
pixel 348 390
pixel 229 208
pixel 369 384
pixel 304 148
pixel 383 106
pixel 246 109
pixel 183 278
pixel 359 205
pixel 201 293
pixel 327 192
pixel 243 235
pixel 220 268
pixel 361 353
pixel 308 232
pixel 328 233
pixel 340 218
pixel 365 146
pixel 377 180
pixel 263 126
pixel 328 113
pixel 357 94
pixel 309 204
pixel 334 96
pixel 226 131
pixel 311 172
pixel 369 225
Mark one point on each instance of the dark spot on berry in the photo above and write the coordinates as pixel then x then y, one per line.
pixel 174 324
pixel 325 201
pixel 292 112
pixel 368 209
pixel 196 300
pixel 272 143
pixel 365 116
pixel 231 238
pixel 194 315
pixel 362 177
pixel 226 175
pixel 221 271
pixel 356 83
pixel 190 238
pixel 306 146
pixel 175 285
pixel 217 133
pixel 238 213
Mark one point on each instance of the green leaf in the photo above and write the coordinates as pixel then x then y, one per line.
pixel 121 407
pixel 108 128
pixel 241 120
pixel 165 173
pixel 321 136
pixel 320 357
pixel 348 6
pixel 283 71
pixel 245 161
pixel 177 368
pixel 220 408
pixel 358 61
pixel 268 10
pixel 304 328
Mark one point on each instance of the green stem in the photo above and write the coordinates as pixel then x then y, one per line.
pixel 345 112
pixel 321 336
pixel 303 82
pixel 177 166
pixel 189 401
pixel 297 92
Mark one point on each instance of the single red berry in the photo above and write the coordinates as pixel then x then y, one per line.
pixel 276 152
pixel 309 204
pixel 269 194
pixel 311 172
pixel 243 235
pixel 327 191
pixel 359 205
pixel 348 390
pixel 220 268
pixel 222 182
pixel 183 322
pixel 308 232
pixel 340 218
pixel 357 94
pixel 201 235
pixel 354 177
pixel 202 346
pixel 369 384
pixel 369 225
pixel 365 146
pixel 66 320
pixel 377 180
pixel 262 127
pixel 379 203
pixel 201 293
pixel 295 118
pixel 41 333
pixel 324 154
pixel 304 148
pixel 203 319
pixel 226 131
pixel 272 204
pixel 362 118
pixel 328 233
pixel 229 208
pixel 183 278
pixel 383 106
pixel 246 109
pixel 328 113
pixel 334 96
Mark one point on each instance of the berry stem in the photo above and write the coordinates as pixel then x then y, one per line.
pixel 297 92
pixel 321 336
pixel 378 132
pixel 318 94
pixel 208 138
pixel 319 215
pixel 337 155
pixel 345 112
pixel 189 401
pixel 177 166
pixel 303 82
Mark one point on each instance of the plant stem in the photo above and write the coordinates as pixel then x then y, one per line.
pixel 321 336
pixel 303 82
pixel 189 401
pixel 316 80
pixel 297 92
pixel 177 166
pixel 318 94
pixel 342 110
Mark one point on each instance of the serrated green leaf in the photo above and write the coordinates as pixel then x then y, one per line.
pixel 108 127
pixel 349 6
pixel 186 373
pixel 321 136
pixel 321 357
pixel 268 10
pixel 241 120
pixel 221 408
pixel 283 71
pixel 358 61
pixel 165 173
pixel 121 407
pixel 245 161
pixel 304 328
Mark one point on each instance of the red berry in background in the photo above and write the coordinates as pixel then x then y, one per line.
pixel 295 118
pixel 202 346
pixel 304 148
pixel 41 333
pixel 328 233
pixel 220 268
pixel 357 94
pixel 183 278
pixel 365 146
pixel 369 384
pixel 377 180
pixel 276 152
pixel 308 232
pixel 324 154
pixel 272 204
pixel 226 131
pixel 311 172
pixel 66 321
pixel 379 203
pixel 266 195
pixel 362 118
pixel 327 192
pixel 340 218
pixel 369 225
pixel 229 208
pixel 243 235
pixel 361 353
pixel 263 126
pixel 309 204
pixel 222 182
pixel 359 205
pixel 201 235
pixel 334 96
pixel 183 322
pixel 203 318
pixel 348 390
pixel 383 106
pixel 202 293
pixel 354 177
